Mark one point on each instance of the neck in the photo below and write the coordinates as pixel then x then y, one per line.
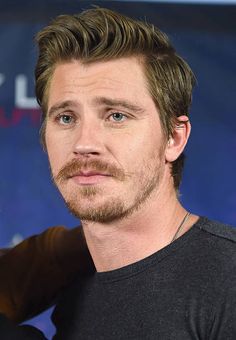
pixel 129 240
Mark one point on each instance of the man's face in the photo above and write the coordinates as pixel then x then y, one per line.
pixel 104 138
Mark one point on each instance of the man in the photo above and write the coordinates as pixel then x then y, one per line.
pixel 115 98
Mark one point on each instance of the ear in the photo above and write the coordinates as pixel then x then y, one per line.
pixel 178 140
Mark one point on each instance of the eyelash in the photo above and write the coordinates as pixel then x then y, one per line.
pixel 59 117
pixel 120 113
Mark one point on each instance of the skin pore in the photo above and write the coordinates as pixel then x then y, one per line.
pixel 111 161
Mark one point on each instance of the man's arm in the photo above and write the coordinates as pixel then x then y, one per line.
pixel 10 331
pixel 34 272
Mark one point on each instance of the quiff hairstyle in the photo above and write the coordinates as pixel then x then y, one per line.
pixel 100 34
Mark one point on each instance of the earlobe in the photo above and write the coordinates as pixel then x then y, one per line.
pixel 178 139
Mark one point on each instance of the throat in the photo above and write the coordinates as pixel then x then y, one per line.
pixel 115 247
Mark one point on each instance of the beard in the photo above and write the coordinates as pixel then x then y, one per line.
pixel 114 207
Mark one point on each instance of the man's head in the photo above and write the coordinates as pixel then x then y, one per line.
pixel 91 46
pixel 102 35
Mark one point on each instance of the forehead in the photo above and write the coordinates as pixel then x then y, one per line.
pixel 120 78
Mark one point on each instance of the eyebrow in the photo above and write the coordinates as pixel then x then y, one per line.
pixel 96 101
pixel 117 102
pixel 57 107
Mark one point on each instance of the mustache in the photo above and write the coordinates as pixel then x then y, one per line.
pixel 75 166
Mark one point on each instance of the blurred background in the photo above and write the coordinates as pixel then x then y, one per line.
pixel 203 32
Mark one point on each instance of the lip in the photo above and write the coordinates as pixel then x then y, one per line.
pixel 91 173
pixel 89 177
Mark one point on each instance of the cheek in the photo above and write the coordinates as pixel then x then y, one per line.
pixel 57 152
pixel 134 152
pixel 144 145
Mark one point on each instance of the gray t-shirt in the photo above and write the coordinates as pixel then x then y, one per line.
pixel 187 290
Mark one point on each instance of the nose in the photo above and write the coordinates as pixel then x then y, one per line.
pixel 89 139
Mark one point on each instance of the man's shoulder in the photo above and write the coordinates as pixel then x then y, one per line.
pixel 219 230
pixel 218 241
pixel 209 254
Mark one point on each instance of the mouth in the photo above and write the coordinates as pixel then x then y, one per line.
pixel 89 177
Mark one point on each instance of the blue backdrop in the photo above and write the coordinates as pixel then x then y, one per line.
pixel 204 35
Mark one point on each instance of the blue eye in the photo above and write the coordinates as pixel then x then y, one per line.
pixel 118 117
pixel 65 119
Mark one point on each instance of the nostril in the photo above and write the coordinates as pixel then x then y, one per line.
pixel 86 150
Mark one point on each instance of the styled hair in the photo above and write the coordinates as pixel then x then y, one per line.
pixel 100 34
